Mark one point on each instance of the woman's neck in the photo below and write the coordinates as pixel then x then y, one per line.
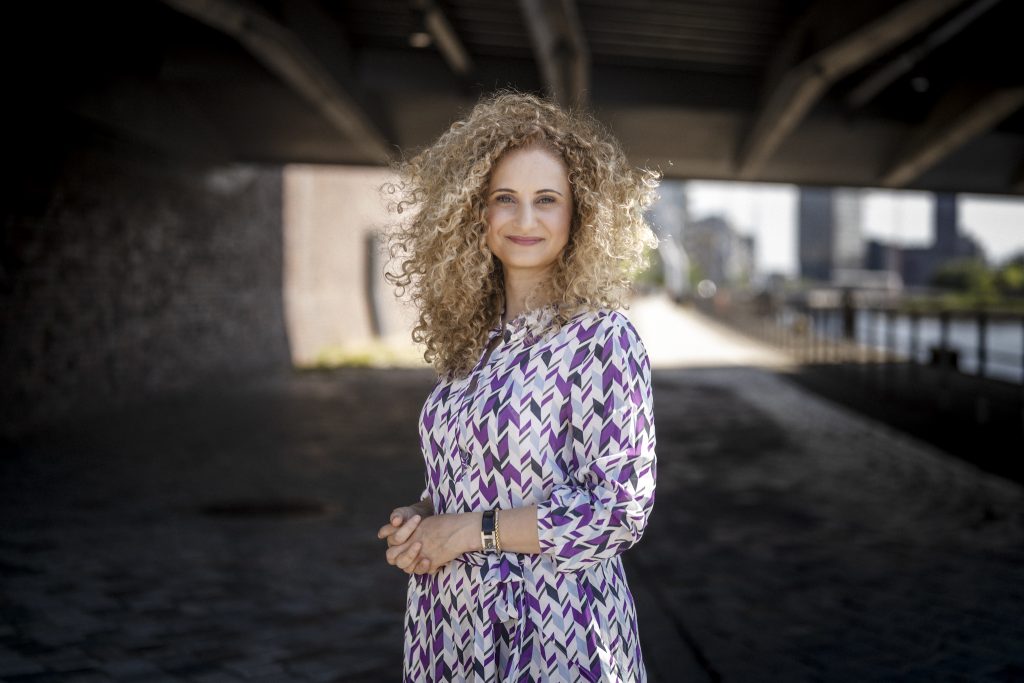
pixel 516 290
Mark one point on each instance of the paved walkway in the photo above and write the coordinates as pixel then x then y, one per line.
pixel 678 337
pixel 791 540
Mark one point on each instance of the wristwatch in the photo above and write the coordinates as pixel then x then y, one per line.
pixel 487 540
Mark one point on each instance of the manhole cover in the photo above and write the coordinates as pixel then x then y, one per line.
pixel 266 508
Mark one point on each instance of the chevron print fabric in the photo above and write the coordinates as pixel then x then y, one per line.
pixel 562 419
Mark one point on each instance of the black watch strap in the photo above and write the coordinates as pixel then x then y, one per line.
pixel 487 532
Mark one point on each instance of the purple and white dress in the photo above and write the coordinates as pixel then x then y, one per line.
pixel 562 419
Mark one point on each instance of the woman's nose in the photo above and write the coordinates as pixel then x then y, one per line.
pixel 527 215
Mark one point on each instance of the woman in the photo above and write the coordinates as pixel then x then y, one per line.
pixel 538 436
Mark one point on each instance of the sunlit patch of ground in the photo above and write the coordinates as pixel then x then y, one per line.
pixel 390 352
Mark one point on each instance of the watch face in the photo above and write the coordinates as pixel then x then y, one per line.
pixel 489 544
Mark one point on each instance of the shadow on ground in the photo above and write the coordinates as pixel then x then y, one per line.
pixel 230 535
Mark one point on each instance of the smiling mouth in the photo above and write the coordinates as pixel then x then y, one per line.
pixel 525 240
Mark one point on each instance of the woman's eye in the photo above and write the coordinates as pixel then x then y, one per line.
pixel 546 199
pixel 504 198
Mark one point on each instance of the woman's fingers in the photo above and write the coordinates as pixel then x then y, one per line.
pixel 406 552
pixel 417 566
pixel 399 516
pixel 402 514
pixel 405 531
pixel 406 558
pixel 401 534
pixel 393 553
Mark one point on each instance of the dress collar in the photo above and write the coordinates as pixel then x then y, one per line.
pixel 528 324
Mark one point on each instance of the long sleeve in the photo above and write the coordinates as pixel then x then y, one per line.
pixel 425 493
pixel 603 509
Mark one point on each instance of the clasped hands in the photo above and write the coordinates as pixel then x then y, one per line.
pixel 422 544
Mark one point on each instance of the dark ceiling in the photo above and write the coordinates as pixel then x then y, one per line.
pixel 919 94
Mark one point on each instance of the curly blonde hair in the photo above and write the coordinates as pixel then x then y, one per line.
pixel 444 262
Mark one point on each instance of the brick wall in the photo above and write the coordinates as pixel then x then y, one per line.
pixel 124 275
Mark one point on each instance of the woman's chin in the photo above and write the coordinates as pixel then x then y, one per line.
pixel 531 265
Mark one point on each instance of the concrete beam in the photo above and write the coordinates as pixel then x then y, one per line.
pixel 560 49
pixel 886 74
pixel 1017 180
pixel 284 52
pixel 157 116
pixel 795 83
pixel 445 38
pixel 965 112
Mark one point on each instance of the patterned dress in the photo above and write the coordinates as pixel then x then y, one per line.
pixel 561 418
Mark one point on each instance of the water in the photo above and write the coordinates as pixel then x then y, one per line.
pixel 1004 343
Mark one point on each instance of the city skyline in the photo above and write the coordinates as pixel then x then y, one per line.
pixel 768 211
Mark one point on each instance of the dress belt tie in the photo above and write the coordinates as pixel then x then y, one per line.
pixel 501 598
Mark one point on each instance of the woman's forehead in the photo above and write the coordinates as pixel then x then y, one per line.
pixel 531 159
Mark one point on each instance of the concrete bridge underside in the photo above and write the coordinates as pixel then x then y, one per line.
pixel 917 94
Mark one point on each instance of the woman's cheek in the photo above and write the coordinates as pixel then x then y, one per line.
pixel 498 213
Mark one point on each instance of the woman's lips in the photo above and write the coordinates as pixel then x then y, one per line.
pixel 525 240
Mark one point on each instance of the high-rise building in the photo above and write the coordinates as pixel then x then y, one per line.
pixel 848 237
pixel 946 233
pixel 919 265
pixel 829 231
pixel 881 255
pixel 814 232
pixel 668 217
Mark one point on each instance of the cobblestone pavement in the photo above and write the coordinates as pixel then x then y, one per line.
pixel 795 541
pixel 790 540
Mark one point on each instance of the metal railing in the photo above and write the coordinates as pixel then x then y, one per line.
pixel 879 340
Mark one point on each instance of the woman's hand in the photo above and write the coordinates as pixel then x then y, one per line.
pixel 401 551
pixel 399 517
pixel 440 539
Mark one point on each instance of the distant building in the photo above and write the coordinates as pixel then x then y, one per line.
pixel 847 231
pixel 814 228
pixel 718 252
pixel 879 255
pixel 861 279
pixel 741 264
pixel 829 231
pixel 669 214
pixel 668 217
pixel 946 242
pixel 917 265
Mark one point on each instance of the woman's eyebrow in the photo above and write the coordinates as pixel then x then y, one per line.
pixel 507 189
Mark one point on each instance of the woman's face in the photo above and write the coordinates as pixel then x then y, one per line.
pixel 529 210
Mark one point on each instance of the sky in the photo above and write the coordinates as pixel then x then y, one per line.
pixel 768 211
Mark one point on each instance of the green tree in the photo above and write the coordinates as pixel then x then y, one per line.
pixel 654 274
pixel 1009 279
pixel 967 276
pixel 696 274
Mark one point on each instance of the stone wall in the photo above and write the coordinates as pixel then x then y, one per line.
pixel 125 275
